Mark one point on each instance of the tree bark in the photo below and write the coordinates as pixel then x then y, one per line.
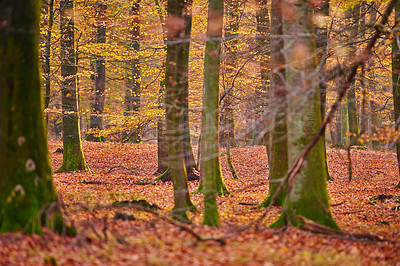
pixel 308 196
pixel 27 193
pixel 352 116
pixel 47 56
pixel 73 158
pixel 278 103
pixel 227 119
pixel 210 163
pixel 96 118
pixel 396 82
pixel 132 94
pixel 175 82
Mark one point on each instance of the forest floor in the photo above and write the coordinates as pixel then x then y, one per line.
pixel 124 172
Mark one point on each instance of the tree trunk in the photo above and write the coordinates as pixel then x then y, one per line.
pixel 96 118
pixel 132 94
pixel 321 31
pixel 261 101
pixel 27 191
pixel 278 104
pixel 47 56
pixel 352 116
pixel 73 158
pixel 190 163
pixel 210 163
pixel 227 119
pixel 396 82
pixel 307 195
pixel 175 81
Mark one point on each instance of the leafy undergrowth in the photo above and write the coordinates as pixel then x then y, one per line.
pixel 125 235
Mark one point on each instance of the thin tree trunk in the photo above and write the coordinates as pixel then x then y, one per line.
pixel 175 81
pixel 278 103
pixel 132 94
pixel 396 83
pixel 96 118
pixel 47 56
pixel 73 158
pixel 227 119
pixel 354 128
pixel 210 164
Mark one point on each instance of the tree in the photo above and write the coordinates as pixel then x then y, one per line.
pixel 321 30
pixel 49 10
pixel 132 94
pixel 162 148
pixel 396 81
pixel 210 164
pixel 229 68
pixel 175 81
pixel 27 194
pixel 278 95
pixel 96 118
pixel 73 158
pixel 307 195
pixel 354 128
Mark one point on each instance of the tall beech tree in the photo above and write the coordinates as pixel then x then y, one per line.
pixel 353 123
pixel 162 147
pixel 210 166
pixel 49 21
pixel 308 195
pixel 96 118
pixel 229 69
pixel 175 82
pixel 27 193
pixel 73 158
pixel 132 93
pixel 396 81
pixel 278 104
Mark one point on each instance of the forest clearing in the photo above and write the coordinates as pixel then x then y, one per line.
pixel 357 207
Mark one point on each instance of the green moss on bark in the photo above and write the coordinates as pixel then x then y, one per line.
pixel 26 178
pixel 308 195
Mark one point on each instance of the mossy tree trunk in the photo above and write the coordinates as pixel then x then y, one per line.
pixel 307 195
pixel 175 81
pixel 96 118
pixel 396 82
pixel 26 191
pixel 321 31
pixel 73 158
pixel 162 157
pixel 210 163
pixel 278 104
pixel 133 92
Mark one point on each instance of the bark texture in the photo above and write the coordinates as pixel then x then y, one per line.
pixel 278 104
pixel 96 118
pixel 175 83
pixel 308 195
pixel 26 190
pixel 210 164
pixel 396 82
pixel 73 158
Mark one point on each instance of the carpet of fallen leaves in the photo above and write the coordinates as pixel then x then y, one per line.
pixel 125 172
